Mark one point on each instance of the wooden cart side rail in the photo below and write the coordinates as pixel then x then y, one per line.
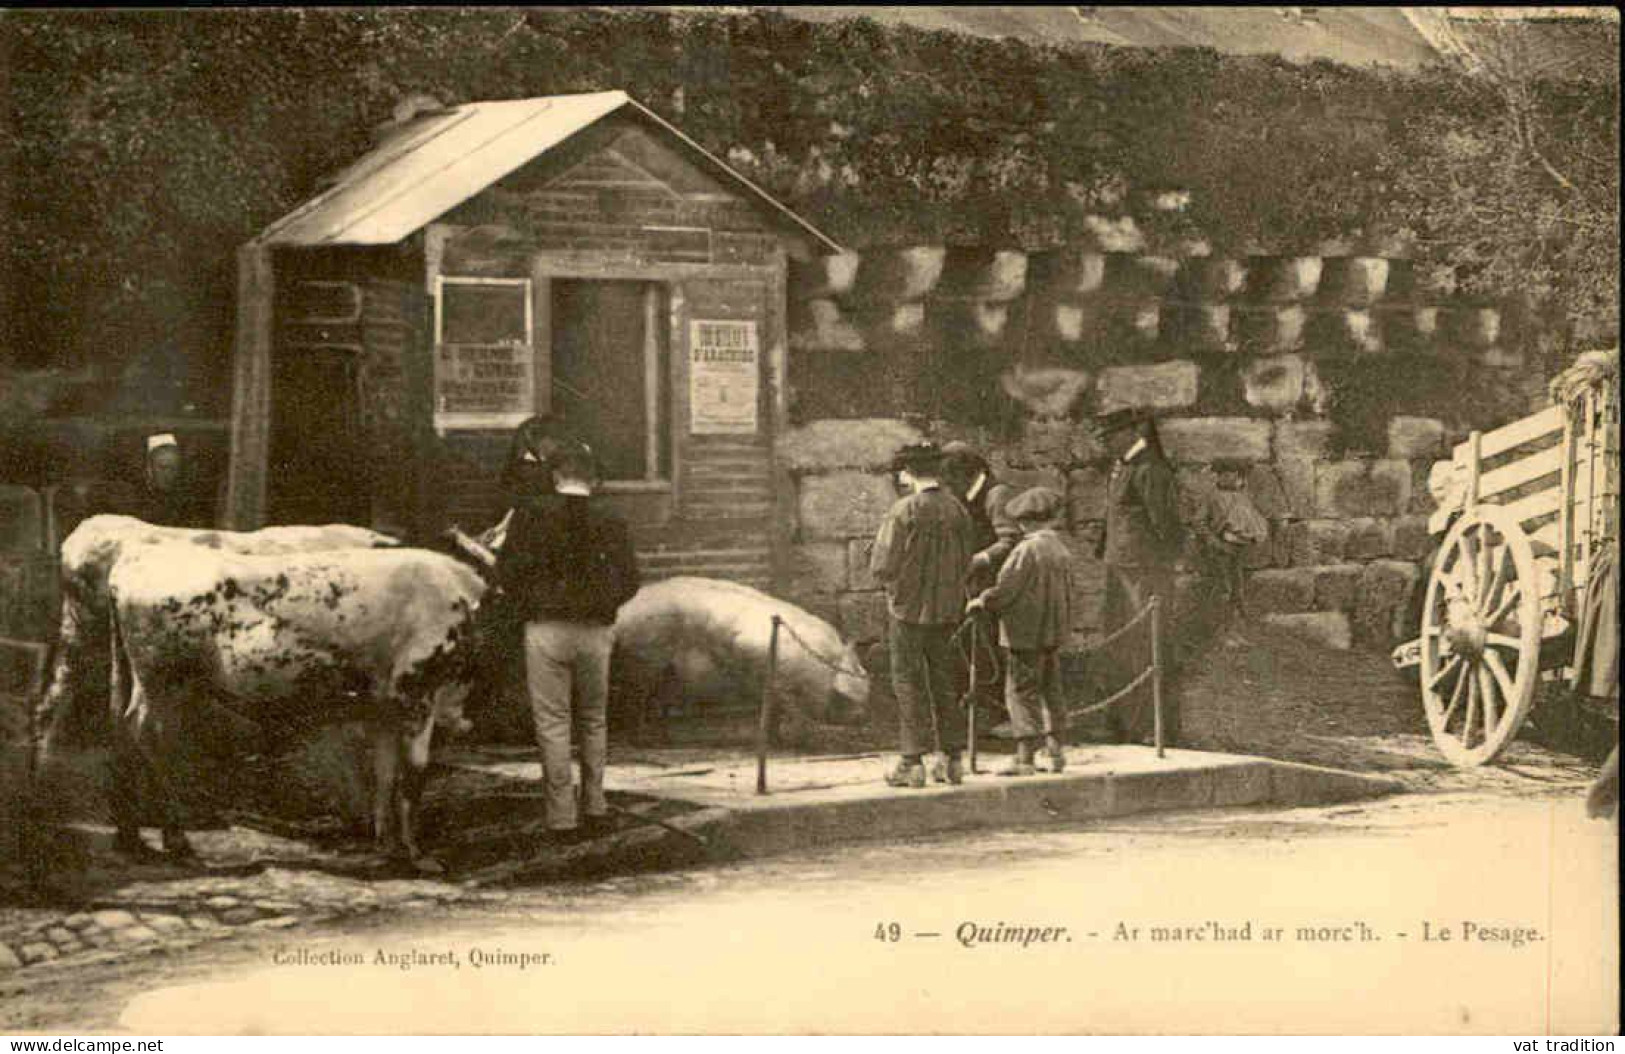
pixel 1536 426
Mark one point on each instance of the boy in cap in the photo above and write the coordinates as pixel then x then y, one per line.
pixel 1033 599
pixel 920 555
pixel 1226 527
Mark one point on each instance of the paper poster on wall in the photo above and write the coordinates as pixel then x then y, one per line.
pixel 724 379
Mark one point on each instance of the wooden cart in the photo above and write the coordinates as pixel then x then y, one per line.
pixel 1508 578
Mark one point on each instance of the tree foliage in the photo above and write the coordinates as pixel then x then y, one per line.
pixel 143 147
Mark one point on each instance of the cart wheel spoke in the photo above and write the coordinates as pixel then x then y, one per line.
pixel 1497 580
pixel 1444 671
pixel 1503 677
pixel 1481 570
pixel 1472 709
pixel 1508 602
pixel 1468 571
pixel 1486 691
pixel 1501 640
pixel 1455 701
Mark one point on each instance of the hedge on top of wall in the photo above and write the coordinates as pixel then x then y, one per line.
pixel 142 147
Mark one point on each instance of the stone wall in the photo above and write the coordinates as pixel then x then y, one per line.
pixel 1014 352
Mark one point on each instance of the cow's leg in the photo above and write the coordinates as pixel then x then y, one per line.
pixel 386 757
pixel 413 777
pixel 177 847
pixel 125 771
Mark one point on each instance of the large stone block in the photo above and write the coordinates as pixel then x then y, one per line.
pixel 818 567
pixel 1215 438
pixel 1264 486
pixel 1381 606
pixel 1411 538
pixel 1297 476
pixel 1050 443
pixel 863 617
pixel 1284 590
pixel 833 445
pixel 843 505
pixel 1314 542
pixel 1051 392
pixel 1274 384
pixel 1390 487
pixel 1086 494
pixel 1307 439
pixel 1369 539
pixel 1342 489
pixel 1163 386
pixel 1329 629
pixel 1337 586
pixel 1411 438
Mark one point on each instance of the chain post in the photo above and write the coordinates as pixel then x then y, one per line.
pixel 765 715
pixel 1156 674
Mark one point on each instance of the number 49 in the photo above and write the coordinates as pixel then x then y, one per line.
pixel 890 932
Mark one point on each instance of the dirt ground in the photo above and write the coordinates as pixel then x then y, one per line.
pixel 1261 690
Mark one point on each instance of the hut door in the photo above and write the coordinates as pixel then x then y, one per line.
pixel 316 471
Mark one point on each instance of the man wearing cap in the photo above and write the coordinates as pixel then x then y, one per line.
pixel 1033 599
pixel 921 555
pixel 568 566
pixel 167 500
pixel 1140 546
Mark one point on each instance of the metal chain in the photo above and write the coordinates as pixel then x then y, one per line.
pixel 969 623
pixel 808 648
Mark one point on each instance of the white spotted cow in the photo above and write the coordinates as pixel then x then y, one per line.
pixel 76 698
pixel 384 636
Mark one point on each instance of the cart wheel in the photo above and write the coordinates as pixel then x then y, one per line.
pixel 1480 636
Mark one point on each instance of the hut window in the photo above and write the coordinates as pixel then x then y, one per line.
pixel 485 352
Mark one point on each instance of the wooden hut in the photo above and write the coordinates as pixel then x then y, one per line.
pixel 573 255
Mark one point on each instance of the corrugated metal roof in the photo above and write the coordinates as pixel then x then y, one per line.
pixel 447 158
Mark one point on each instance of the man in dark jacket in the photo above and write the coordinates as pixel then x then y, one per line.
pixel 568 566
pixel 1140 547
pixel 921 555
